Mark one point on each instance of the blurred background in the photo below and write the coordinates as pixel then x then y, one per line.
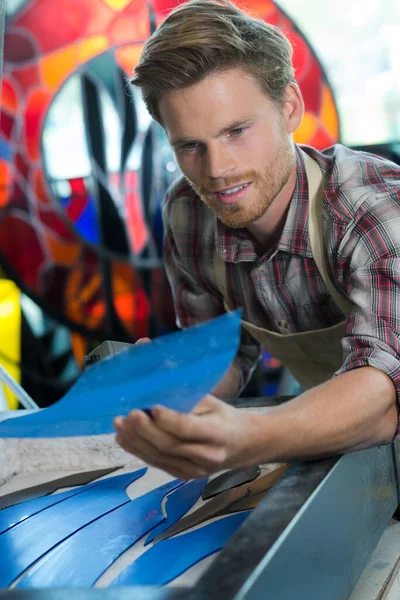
pixel 83 168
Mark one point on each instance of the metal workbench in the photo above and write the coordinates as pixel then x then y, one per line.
pixel 310 537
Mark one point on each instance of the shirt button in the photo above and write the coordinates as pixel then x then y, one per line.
pixel 283 324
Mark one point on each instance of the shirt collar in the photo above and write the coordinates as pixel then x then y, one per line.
pixel 234 245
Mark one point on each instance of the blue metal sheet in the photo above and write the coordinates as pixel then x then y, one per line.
pixel 22 545
pixel 16 514
pixel 176 370
pixel 168 559
pixel 81 559
pixel 177 505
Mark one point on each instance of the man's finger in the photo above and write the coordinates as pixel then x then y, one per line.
pixel 144 340
pixel 188 426
pixel 178 467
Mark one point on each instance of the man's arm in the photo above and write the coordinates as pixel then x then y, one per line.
pixel 229 386
pixel 355 410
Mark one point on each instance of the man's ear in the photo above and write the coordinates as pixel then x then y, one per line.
pixel 292 107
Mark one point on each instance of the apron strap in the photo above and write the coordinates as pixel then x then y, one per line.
pixel 316 195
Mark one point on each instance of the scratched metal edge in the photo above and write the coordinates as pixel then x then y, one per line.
pixel 248 546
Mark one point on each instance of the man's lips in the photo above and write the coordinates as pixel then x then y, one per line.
pixel 233 193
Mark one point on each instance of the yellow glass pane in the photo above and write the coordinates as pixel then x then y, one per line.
pixel 307 129
pixel 10 338
pixel 117 5
pixel 91 47
pixel 57 66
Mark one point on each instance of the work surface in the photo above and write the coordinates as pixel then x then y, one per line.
pixel 324 520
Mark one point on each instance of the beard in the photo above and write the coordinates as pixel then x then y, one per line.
pixel 265 186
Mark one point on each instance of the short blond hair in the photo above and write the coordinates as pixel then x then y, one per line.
pixel 201 37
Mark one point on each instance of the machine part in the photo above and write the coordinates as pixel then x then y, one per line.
pixel 230 479
pixel 49 487
pixel 107 348
pixel 82 558
pixel 174 556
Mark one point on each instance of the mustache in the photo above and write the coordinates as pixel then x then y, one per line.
pixel 215 185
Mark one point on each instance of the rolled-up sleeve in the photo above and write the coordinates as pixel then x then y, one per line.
pixel 373 285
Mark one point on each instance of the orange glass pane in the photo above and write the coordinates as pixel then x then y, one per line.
pixel 5 174
pixel 128 57
pixel 307 129
pixel 329 115
pixel 57 66
pixel 40 187
pixel 8 97
pixel 64 254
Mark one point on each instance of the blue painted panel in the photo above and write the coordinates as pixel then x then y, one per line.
pixel 168 559
pixel 176 370
pixel 81 559
pixel 22 545
pixel 177 505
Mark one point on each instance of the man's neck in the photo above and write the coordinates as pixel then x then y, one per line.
pixel 268 229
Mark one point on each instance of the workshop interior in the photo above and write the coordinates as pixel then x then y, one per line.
pixel 83 174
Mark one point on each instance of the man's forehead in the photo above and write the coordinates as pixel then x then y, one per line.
pixel 210 106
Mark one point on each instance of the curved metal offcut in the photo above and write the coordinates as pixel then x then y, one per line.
pixel 176 370
pixel 25 543
pixel 175 555
pixel 82 558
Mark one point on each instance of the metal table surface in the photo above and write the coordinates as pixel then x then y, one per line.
pixel 309 538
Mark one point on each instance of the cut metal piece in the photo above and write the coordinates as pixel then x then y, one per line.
pixel 177 505
pixel 82 558
pixel 177 369
pixel 175 556
pixel 230 479
pixel 25 543
pixel 219 504
pixel 48 487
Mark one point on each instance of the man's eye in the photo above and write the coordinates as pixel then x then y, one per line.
pixel 237 131
pixel 188 147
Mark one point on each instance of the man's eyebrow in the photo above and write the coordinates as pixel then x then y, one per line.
pixel 235 125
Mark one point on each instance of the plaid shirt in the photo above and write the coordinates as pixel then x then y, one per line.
pixel 282 290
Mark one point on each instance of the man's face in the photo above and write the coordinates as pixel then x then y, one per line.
pixel 231 143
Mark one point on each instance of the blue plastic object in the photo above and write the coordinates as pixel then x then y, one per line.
pixel 177 505
pixel 176 370
pixel 22 545
pixel 174 556
pixel 81 559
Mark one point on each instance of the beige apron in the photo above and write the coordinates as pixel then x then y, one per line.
pixel 311 356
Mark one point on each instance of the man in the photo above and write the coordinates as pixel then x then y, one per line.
pixel 307 242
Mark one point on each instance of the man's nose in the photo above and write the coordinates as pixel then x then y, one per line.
pixel 219 161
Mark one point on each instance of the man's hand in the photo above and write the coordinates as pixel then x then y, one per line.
pixel 213 436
